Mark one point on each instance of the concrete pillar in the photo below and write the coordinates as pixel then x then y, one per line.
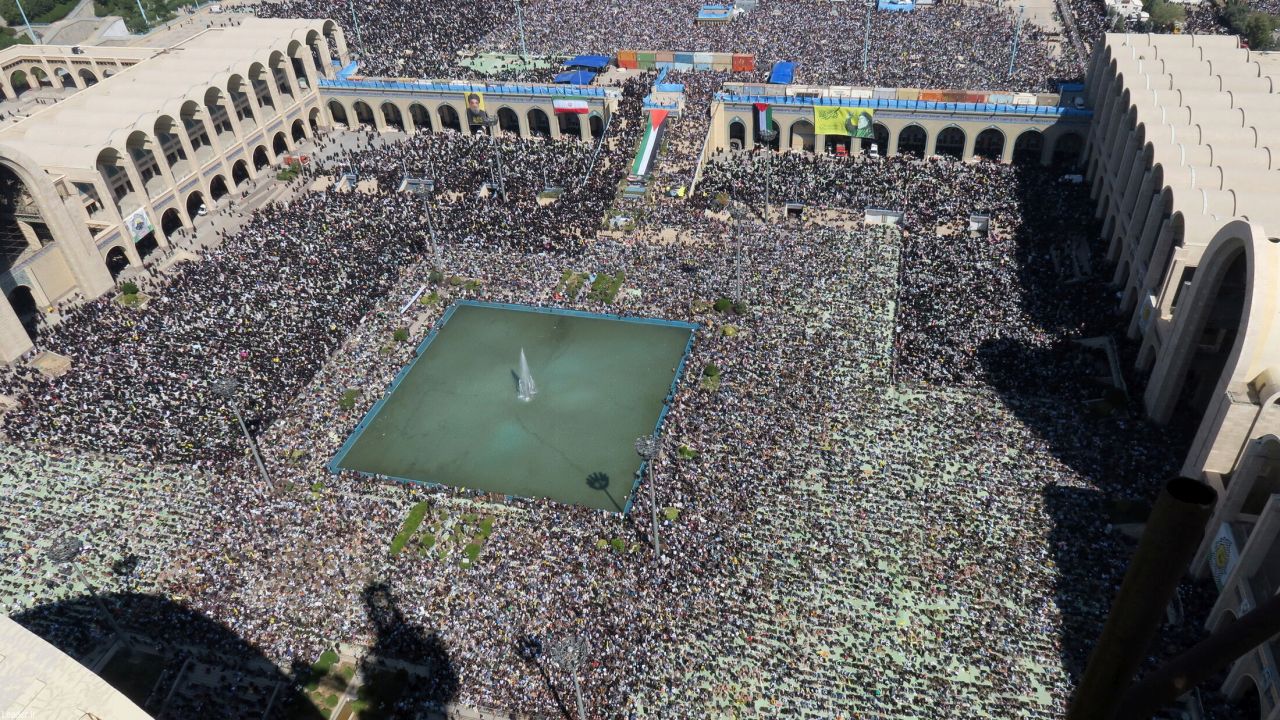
pixel 14 341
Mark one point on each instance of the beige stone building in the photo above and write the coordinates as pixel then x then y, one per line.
pixel 95 182
pixel 1184 159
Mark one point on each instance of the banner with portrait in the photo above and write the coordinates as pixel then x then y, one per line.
pixel 476 115
pixel 835 120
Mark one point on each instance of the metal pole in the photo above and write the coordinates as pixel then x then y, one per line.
pixel 1168 543
pixel 102 607
pixel 1017 32
pixel 253 446
pixel 435 244
pixel 1178 676
pixel 577 690
pixel 145 19
pixel 653 513
pixel 27 22
pixel 520 24
pixel 866 40
pixel 355 22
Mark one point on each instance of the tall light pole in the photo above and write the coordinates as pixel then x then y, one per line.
pixel 520 24
pixel 866 40
pixel 647 448
pixel 64 551
pixel 570 652
pixel 492 124
pixel 145 19
pixel 1017 32
pixel 768 136
pixel 27 22
pixel 226 388
pixel 355 22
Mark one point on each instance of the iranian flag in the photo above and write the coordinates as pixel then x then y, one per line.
pixel 577 107
pixel 764 117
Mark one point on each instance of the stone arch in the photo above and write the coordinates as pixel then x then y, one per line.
pixel 139 146
pixel 508 121
pixel 169 143
pixel 802 131
pixel 449 118
pixel 279 75
pixel 313 121
pixel 298 58
pixel 110 165
pixel 240 172
pixel 1066 150
pixel 258 76
pixel 1028 148
pixel 280 144
pixel 363 113
pixel 1246 694
pixel 260 157
pixel 170 222
pixel 338 113
pixel 539 125
pixel 218 188
pixel 989 145
pixel 19 81
pixel 39 76
pixel 87 77
pixel 23 302
pixel 912 140
pixel 737 134
pixel 420 116
pixel 879 138
pixel 65 78
pixel 950 142
pixel 116 261
pixel 195 201
pixel 1216 334
pixel 240 102
pixel 298 131
pixel 597 126
pixel 570 125
pixel 391 115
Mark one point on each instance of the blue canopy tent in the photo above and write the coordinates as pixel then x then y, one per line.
pixel 782 73
pixel 595 63
pixel 576 77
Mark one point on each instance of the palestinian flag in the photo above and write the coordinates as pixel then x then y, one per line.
pixel 649 143
pixel 576 107
pixel 764 118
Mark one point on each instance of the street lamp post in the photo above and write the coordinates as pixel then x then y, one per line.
pixel 647 447
pixel 570 653
pixel 520 24
pixel 34 38
pixel 768 136
pixel 866 40
pixel 226 388
pixel 1017 31
pixel 492 124
pixel 64 551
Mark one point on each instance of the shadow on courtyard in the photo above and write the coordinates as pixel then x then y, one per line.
pixel 407 673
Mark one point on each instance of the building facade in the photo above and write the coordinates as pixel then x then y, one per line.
pixel 1184 163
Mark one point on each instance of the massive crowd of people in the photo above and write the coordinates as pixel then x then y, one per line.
pixel 950 46
pixel 879 508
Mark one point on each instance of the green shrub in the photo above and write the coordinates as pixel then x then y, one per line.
pixel 128 287
pixel 38 11
pixel 687 453
pixel 711 370
pixel 400 335
pixel 348 399
pixel 722 305
pixel 410 526
pixel 740 307
pixel 435 277
pixel 472 551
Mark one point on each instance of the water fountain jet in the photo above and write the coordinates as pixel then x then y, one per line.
pixel 525 388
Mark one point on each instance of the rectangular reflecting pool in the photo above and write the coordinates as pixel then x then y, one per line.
pixel 452 416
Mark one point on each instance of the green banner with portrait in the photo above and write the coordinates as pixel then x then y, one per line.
pixel 835 120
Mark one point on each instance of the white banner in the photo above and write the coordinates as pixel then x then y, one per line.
pixel 138 224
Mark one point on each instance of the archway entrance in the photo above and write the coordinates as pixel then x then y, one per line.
pixel 217 188
pixel 239 172
pixel 737 135
pixel 1028 148
pixel 117 261
pixel 146 245
pixel 280 144
pixel 539 125
pixel 364 114
pixel 337 112
pixel 801 136
pixel 597 127
pixel 195 203
pixel 170 222
pixel 989 145
pixel 260 158
pixel 950 143
pixel 421 119
pixel 24 306
pixel 19 82
pixel 1066 151
pixel 1210 344
pixel 508 121
pixel 449 118
pixel 879 138
pixel 912 141
pixel 299 131
pixel 570 125
pixel 391 116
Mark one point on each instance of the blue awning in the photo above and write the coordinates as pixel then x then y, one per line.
pixel 589 62
pixel 782 73
pixel 576 77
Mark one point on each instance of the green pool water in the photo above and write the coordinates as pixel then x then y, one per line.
pixel 454 418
